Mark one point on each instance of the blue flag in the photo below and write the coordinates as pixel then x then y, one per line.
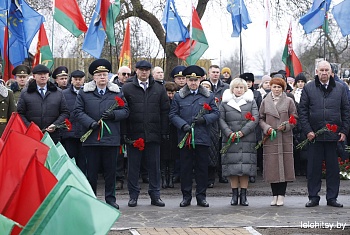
pixel 23 23
pixel 95 36
pixel 341 13
pixel 175 30
pixel 240 16
pixel 315 17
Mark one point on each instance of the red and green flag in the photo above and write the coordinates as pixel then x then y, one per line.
pixel 194 47
pixel 125 53
pixel 43 52
pixel 289 58
pixel 109 11
pixel 67 14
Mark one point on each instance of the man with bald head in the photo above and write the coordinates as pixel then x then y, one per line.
pixel 158 74
pixel 323 101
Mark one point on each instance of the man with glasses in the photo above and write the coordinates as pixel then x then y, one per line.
pixel 149 107
pixel 92 110
pixel 124 73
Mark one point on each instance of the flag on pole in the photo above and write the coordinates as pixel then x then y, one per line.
pixel 175 30
pixel 110 9
pixel 7 67
pixel 267 28
pixel 95 36
pixel 14 123
pixel 67 13
pixel 315 17
pixel 341 13
pixel 193 48
pixel 240 16
pixel 289 58
pixel 125 53
pixel 43 53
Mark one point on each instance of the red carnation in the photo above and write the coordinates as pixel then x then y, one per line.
pixel 292 120
pixel 119 101
pixel 206 106
pixel 139 144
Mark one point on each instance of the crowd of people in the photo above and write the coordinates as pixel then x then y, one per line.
pixel 194 125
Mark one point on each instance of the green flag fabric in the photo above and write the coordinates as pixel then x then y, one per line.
pixel 53 154
pixel 6 225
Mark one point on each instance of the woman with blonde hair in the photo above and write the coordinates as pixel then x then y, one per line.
pixel 238 118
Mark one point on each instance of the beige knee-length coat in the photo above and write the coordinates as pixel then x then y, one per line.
pixel 278 154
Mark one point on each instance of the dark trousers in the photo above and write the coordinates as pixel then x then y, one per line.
pixel 279 188
pixel 120 174
pixel 199 158
pixel 317 152
pixel 151 153
pixel 74 149
pixel 107 157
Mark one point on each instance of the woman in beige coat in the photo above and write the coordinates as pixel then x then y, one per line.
pixel 275 111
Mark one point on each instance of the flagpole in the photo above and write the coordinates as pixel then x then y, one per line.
pixel 240 40
pixel 8 66
pixel 53 29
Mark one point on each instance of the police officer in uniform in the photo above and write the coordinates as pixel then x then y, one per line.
pixel 7 105
pixel 21 73
pixel 60 74
pixel 102 146
pixel 186 105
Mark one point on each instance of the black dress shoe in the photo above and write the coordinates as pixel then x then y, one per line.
pixel 185 202
pixel 157 202
pixel 115 205
pixel 334 203
pixel 132 202
pixel 223 180
pixel 312 203
pixel 202 203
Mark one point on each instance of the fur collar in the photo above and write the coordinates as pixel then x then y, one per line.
pixel 4 92
pixel 281 106
pixel 185 91
pixel 32 87
pixel 330 86
pixel 91 86
pixel 14 87
pixel 228 97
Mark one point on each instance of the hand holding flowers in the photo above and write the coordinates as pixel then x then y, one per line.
pixel 328 127
pixel 66 124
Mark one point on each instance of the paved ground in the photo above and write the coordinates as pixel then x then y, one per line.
pixel 222 218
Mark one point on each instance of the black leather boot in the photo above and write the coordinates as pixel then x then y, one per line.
pixel 243 197
pixel 234 200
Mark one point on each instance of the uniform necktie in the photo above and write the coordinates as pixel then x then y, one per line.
pixel 101 92
pixel 215 88
pixel 325 86
pixel 144 84
pixel 42 92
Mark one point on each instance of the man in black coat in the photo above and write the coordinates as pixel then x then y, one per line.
pixel 71 139
pixel 149 107
pixel 94 110
pixel 43 103
pixel 324 101
pixel 186 104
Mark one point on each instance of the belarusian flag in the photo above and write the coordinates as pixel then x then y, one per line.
pixel 109 11
pixel 43 53
pixel 125 53
pixel 193 48
pixel 67 13
pixel 289 58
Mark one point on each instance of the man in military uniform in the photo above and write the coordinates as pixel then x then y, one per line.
pixel 177 75
pixel 7 105
pixel 186 105
pixel 92 110
pixel 60 74
pixel 21 73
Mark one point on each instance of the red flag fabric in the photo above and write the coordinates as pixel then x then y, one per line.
pixel 15 156
pixel 289 58
pixel 34 132
pixel 43 53
pixel 35 184
pixel 125 53
pixel 7 66
pixel 15 123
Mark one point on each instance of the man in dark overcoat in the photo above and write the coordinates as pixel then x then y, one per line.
pixel 93 111
pixel 186 105
pixel 149 107
pixel 324 101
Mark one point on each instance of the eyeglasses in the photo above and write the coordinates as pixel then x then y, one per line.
pixel 124 74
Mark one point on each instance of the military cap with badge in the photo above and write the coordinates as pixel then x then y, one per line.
pixel 60 71
pixel 99 66
pixel 21 70
pixel 193 72
pixel 177 71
